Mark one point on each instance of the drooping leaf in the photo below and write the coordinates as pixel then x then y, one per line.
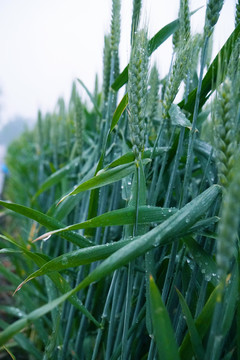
pixel 125 216
pixel 105 177
pixel 40 260
pixel 47 221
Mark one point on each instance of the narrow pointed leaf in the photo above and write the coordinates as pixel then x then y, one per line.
pixel 210 79
pixel 129 156
pixel 56 177
pixel 47 221
pixel 194 335
pixel 119 110
pixel 90 97
pixel 162 327
pixel 105 178
pixel 77 258
pixel 202 324
pixel 40 260
pixel 126 216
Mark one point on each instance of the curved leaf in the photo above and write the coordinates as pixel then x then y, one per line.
pixel 162 327
pixel 105 177
pixel 47 221
pixel 212 76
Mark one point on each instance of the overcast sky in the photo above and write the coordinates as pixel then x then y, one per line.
pixel 46 44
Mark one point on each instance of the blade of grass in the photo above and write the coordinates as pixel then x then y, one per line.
pixel 162 328
pixel 47 221
pixel 195 338
pixel 125 216
pixel 105 178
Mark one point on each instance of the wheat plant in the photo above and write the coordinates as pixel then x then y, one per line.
pixel 120 219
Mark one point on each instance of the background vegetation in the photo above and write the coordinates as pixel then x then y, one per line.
pixel 120 229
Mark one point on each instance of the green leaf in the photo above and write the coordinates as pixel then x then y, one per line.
pixel 77 258
pixel 20 324
pixel 156 237
pixel 56 177
pixel 162 234
pixel 202 324
pixel 105 177
pixel 90 97
pixel 24 343
pixel 205 261
pixel 47 221
pixel 119 110
pixel 178 118
pixel 129 156
pixel 40 260
pixel 211 79
pixel 125 216
pixel 162 327
pixel 194 336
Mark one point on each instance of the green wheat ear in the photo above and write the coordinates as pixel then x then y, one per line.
pixel 152 98
pixel 178 74
pixel 182 35
pixel 225 127
pixel 228 226
pixel 137 91
pixel 212 14
pixel 237 13
pixel 115 24
pixel 106 67
pixel 137 5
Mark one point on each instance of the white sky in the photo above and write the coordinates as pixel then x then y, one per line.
pixel 46 44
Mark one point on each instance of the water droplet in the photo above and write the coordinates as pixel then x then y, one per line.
pixel 64 260
pixel 208 277
pixel 187 219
